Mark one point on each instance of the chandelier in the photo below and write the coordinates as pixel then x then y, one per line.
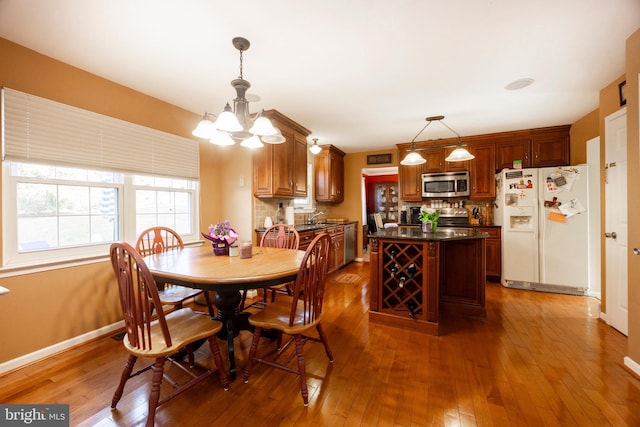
pixel 236 124
pixel 460 154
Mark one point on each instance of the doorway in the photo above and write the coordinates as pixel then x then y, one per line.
pixel 374 179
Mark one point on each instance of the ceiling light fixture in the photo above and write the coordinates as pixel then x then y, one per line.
pixel 237 124
pixel 315 148
pixel 460 154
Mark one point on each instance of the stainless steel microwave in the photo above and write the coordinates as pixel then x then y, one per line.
pixel 445 184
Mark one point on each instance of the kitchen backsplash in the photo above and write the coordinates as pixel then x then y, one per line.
pixel 469 204
pixel 269 207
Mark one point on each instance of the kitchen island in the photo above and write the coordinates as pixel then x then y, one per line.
pixel 415 275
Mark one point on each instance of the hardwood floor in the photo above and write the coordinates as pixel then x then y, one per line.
pixel 538 359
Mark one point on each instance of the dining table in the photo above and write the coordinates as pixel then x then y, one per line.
pixel 198 267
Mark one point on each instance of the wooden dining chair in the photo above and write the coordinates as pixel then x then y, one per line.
pixel 162 239
pixel 276 236
pixel 161 338
pixel 297 315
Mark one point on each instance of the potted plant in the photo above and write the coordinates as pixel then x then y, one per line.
pixel 221 236
pixel 429 221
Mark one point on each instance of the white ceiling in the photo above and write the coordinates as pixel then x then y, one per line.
pixel 361 74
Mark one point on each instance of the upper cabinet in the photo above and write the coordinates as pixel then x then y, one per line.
pixel 482 172
pixel 329 175
pixel 280 170
pixel 536 148
pixel 550 147
pixel 541 147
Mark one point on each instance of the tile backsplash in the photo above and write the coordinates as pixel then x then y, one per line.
pixel 269 207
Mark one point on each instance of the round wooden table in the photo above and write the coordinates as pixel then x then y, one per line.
pixel 198 267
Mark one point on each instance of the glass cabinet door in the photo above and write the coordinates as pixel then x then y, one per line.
pixel 386 201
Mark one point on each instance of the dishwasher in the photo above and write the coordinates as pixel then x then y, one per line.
pixel 349 243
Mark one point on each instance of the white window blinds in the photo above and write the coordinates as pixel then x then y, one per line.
pixel 40 130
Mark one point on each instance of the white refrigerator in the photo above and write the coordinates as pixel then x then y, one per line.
pixel 545 228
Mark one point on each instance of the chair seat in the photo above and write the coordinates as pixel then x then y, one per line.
pixel 186 327
pixel 276 316
pixel 175 294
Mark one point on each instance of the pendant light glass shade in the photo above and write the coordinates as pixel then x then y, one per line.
pixel 221 138
pixel 205 128
pixel 276 138
pixel 413 158
pixel 459 155
pixel 227 121
pixel 262 127
pixel 253 142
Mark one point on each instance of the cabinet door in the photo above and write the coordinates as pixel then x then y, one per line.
pixel 262 177
pixel 410 181
pixel 494 255
pixel 482 172
pixel 283 165
pixel 508 151
pixel 336 186
pixel 300 167
pixel 435 160
pixel 550 148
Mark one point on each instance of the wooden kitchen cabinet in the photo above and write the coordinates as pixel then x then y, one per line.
pixel 509 150
pixel 550 147
pixel 305 239
pixel 329 175
pixel 280 170
pixel 410 180
pixel 336 251
pixel 385 200
pixel 482 172
pixel 436 162
pixel 494 252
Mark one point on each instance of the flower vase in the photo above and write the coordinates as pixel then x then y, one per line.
pixel 426 227
pixel 220 248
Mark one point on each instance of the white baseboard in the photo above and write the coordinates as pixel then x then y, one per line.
pixel 632 365
pixel 58 347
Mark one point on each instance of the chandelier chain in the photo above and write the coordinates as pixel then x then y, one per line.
pixel 241 64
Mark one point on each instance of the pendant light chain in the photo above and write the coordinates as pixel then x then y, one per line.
pixel 241 64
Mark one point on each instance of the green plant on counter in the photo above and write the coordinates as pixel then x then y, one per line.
pixel 431 217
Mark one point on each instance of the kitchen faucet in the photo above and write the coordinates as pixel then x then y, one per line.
pixel 312 218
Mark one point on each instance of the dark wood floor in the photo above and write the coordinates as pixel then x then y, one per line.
pixel 538 359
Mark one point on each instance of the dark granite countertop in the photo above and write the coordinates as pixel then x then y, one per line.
pixel 317 226
pixel 415 233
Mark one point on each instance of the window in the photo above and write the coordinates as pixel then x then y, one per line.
pixel 74 181
pixel 306 204
pixel 64 213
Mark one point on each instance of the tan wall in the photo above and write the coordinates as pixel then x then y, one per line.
pixel 633 170
pixel 352 206
pixel 582 131
pixel 46 308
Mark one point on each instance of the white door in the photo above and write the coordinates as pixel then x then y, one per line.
pixel 616 220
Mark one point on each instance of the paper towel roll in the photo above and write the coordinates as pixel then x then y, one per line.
pixel 289 215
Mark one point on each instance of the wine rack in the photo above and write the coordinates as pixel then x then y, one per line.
pixel 402 279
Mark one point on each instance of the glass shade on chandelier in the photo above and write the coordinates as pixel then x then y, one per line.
pixel 460 154
pixel 236 124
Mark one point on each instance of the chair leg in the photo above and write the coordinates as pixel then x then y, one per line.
pixel 126 374
pixel 301 369
pixel 207 299
pixel 154 396
pixel 323 338
pixel 222 371
pixel 252 353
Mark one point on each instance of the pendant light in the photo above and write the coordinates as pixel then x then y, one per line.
pixel 315 148
pixel 460 154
